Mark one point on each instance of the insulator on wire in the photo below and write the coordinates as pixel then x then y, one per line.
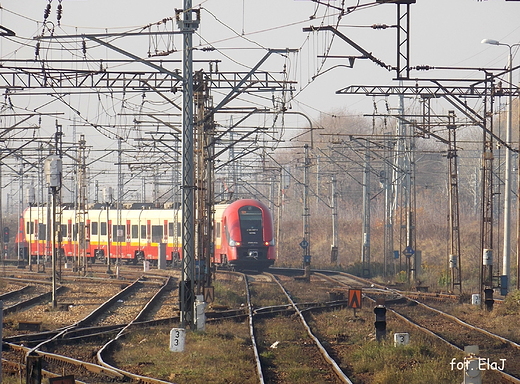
pixel 59 12
pixel 37 50
pixel 47 11
pixel 84 48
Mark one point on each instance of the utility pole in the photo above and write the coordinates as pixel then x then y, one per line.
pixel 187 25
pixel 334 246
pixel 486 220
pixel 82 206
pixel 389 222
pixel 120 185
pixel 53 170
pixel 204 160
pixel 365 250
pixel 306 243
pixel 281 203
pixel 21 262
pixel 454 256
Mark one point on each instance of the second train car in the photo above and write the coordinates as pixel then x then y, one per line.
pixel 243 234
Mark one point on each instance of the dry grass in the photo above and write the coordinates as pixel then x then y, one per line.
pixel 503 320
pixel 353 341
pixel 288 355
pixel 266 294
pixel 229 292
pixel 221 354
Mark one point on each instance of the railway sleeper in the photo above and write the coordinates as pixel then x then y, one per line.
pixel 72 363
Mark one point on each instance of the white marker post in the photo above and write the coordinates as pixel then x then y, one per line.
pixel 177 339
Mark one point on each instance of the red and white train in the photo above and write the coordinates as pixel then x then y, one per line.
pixel 243 234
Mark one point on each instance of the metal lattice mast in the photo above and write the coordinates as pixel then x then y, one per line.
pixel 209 177
pixel 403 39
pixel 454 256
pixel 399 176
pixel 306 243
pixel 120 186
pixel 486 220
pixel 188 26
pixel 82 204
pixel 200 190
pixel 204 151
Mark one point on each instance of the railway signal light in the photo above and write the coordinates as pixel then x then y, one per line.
pixel 380 323
pixel 6 234
pixel 488 299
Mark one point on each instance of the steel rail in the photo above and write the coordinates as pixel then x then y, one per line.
pixel 16 292
pixel 252 331
pixel 102 308
pixel 30 302
pixel 507 376
pixel 104 349
pixel 98 369
pixel 45 374
pixel 461 322
pixel 90 317
pixel 104 369
pixel 339 372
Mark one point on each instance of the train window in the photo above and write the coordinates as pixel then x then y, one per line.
pixel 157 233
pixel 217 230
pixel 29 230
pixel 170 229
pixel 94 226
pixel 251 224
pixel 179 229
pixel 75 231
pixel 42 231
pixel 143 231
pixel 118 232
pixel 64 230
pixel 135 231
pixel 103 229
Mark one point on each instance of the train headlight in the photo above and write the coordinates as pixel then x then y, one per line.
pixel 268 243
pixel 233 243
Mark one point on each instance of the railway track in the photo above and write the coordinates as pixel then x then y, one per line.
pixel 28 295
pixel 100 341
pixel 105 325
pixel 315 354
pixel 495 350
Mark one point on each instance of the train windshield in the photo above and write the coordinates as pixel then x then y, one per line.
pixel 250 225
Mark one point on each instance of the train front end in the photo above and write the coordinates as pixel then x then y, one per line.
pixel 249 233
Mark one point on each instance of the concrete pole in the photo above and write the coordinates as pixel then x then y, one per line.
pixel 335 237
pixel 506 252
pixel 365 249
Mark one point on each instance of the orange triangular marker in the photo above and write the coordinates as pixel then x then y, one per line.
pixel 354 298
